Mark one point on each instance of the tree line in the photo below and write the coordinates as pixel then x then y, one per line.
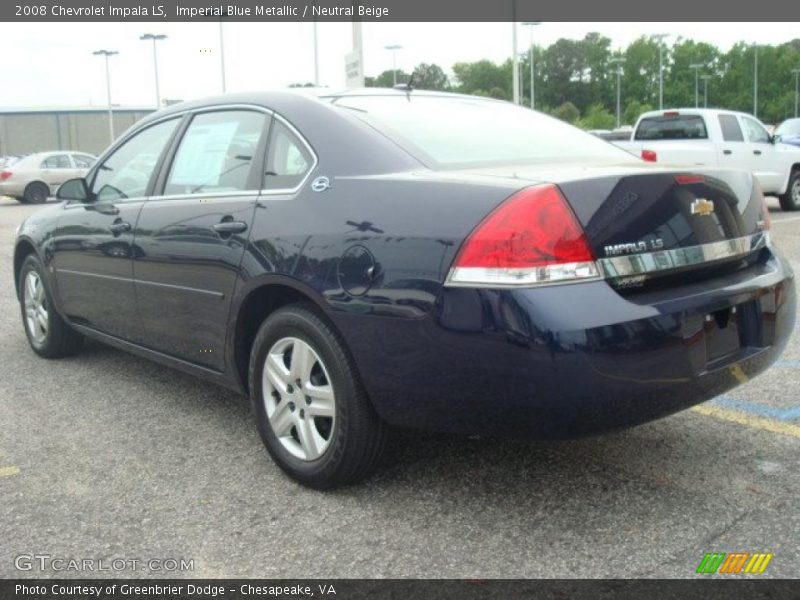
pixel 576 80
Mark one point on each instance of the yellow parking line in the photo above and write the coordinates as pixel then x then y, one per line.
pixel 748 421
pixel 8 471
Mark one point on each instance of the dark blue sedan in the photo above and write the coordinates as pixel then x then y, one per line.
pixel 387 258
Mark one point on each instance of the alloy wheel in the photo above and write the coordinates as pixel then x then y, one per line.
pixel 299 398
pixel 796 191
pixel 35 301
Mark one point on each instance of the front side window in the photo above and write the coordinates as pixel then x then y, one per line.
pixel 216 153
pixel 288 160
pixel 57 161
pixel 755 131
pixel 127 172
pixel 731 132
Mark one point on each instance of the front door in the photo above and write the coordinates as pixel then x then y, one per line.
pixel 762 154
pixel 192 237
pixel 94 246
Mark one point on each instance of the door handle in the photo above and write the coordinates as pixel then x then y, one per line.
pixel 230 227
pixel 118 227
pixel 758 152
pixel 727 151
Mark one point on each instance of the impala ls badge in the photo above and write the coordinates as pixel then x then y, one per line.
pixel 702 207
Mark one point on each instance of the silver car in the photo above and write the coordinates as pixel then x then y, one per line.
pixel 36 177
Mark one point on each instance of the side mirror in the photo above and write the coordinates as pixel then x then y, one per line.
pixel 74 190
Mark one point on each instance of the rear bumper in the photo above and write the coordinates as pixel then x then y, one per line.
pixel 11 188
pixel 572 360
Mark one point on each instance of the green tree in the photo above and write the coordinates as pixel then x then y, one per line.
pixel 633 110
pixel 566 112
pixel 597 117
pixel 386 79
pixel 430 77
pixel 484 75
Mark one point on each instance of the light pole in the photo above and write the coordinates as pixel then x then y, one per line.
pixel 532 24
pixel 316 56
pixel 705 79
pixel 394 48
pixel 514 56
pixel 796 74
pixel 755 80
pixel 155 37
pixel 659 37
pixel 222 55
pixel 696 67
pixel 106 54
pixel 618 60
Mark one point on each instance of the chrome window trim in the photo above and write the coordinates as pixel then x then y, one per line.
pixel 232 195
pixel 215 108
pixel 666 260
pixel 299 136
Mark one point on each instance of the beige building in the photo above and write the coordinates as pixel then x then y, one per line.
pixel 28 130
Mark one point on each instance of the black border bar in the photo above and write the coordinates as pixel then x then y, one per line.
pixel 390 10
pixel 402 589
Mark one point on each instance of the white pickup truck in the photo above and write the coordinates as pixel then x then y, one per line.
pixel 719 138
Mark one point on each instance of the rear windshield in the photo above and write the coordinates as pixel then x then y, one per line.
pixel 462 131
pixel 678 127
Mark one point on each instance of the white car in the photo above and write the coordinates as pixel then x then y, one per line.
pixel 719 138
pixel 36 177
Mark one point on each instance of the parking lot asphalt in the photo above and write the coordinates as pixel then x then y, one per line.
pixel 108 456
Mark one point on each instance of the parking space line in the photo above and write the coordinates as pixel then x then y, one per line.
pixel 741 418
pixel 787 363
pixel 758 409
pixel 786 220
pixel 8 471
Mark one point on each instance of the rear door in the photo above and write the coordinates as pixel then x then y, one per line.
pixel 191 235
pixel 733 152
pixel 761 152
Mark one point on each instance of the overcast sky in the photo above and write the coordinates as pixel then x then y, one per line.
pixel 50 64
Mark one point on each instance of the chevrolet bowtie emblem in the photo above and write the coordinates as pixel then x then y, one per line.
pixel 702 207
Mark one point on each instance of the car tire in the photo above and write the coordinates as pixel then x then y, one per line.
pixel 21 199
pixel 791 199
pixel 36 193
pixel 48 334
pixel 356 436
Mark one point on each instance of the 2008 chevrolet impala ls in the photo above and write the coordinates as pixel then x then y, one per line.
pixel 405 258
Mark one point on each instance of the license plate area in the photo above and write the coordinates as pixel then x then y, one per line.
pixel 728 331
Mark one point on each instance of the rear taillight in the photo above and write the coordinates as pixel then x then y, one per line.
pixel 649 155
pixel 531 238
pixel 5 175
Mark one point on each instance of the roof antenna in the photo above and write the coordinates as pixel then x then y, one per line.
pixel 407 87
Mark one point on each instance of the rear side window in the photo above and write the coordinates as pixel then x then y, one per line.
pixel 58 161
pixel 669 127
pixel 731 132
pixel 288 160
pixel 216 153
pixel 83 161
